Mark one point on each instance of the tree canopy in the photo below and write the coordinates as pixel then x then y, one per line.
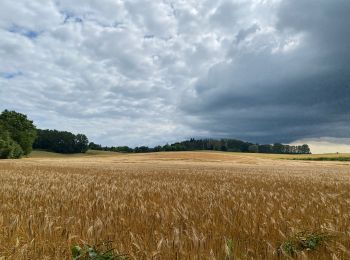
pixel 9 149
pixel 17 134
pixel 61 141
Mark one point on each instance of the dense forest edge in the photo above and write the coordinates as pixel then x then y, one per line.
pixel 19 136
pixel 227 145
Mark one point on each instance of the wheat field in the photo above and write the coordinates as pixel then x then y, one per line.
pixel 183 205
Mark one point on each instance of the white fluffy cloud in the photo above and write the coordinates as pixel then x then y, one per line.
pixel 146 72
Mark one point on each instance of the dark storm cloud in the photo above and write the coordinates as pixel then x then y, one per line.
pixel 297 89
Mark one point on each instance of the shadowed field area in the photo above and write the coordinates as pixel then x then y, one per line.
pixel 176 205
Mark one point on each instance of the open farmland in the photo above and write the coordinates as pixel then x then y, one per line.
pixel 184 205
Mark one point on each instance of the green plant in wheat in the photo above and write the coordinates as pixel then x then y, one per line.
pixel 103 251
pixel 229 249
pixel 303 241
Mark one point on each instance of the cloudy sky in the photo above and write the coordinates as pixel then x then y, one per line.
pixel 145 72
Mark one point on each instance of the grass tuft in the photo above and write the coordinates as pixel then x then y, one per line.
pixel 229 249
pixel 303 241
pixel 103 251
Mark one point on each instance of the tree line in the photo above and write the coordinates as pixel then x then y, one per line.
pixel 18 136
pixel 61 141
pixel 230 145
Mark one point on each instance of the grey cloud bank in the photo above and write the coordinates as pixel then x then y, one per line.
pixel 150 72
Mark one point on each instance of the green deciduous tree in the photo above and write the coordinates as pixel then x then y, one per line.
pixel 20 129
pixel 9 149
pixel 61 141
pixel 81 143
pixel 305 149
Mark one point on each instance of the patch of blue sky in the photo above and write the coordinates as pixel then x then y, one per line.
pixel 71 17
pixel 31 34
pixel 10 75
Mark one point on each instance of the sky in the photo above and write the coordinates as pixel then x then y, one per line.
pixel 150 72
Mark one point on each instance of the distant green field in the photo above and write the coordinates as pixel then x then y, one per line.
pixel 343 157
pixel 323 158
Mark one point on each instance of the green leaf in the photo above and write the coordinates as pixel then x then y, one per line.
pixel 76 252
